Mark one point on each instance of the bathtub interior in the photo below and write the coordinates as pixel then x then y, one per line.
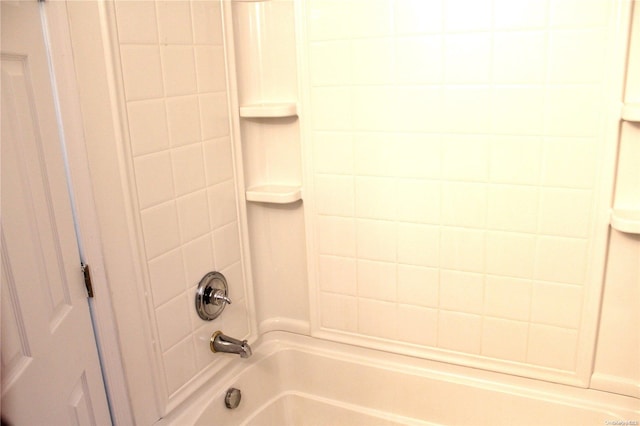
pixel 303 381
pixel 293 408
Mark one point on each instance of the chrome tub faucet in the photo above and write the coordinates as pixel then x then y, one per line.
pixel 226 344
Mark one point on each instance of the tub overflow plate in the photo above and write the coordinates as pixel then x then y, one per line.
pixel 232 398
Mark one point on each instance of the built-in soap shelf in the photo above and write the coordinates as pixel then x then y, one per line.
pixel 631 112
pixel 626 220
pixel 269 110
pixel 274 194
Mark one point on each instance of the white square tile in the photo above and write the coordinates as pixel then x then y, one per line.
pixel 464 204
pixel 569 162
pixel 193 215
pixel 518 110
pixel 552 347
pixel 328 19
pixel 218 160
pixel 336 236
pixel 418 60
pixel 377 318
pixel 377 280
pixel 183 115
pixel 379 20
pixel 418 109
pixel 374 154
pixel 417 16
pixel 375 198
pixel 465 109
pixel 574 111
pixel 370 62
pixel 504 339
pixel 174 22
pixel 173 321
pixel 418 285
pixel 467 57
pixel 214 110
pixel 561 260
pixel 377 240
pixel 459 332
pixel 462 249
pixel 510 254
pixel 515 159
pixel 330 63
pixel 519 57
pixel 147 126
pixel 207 22
pixel 178 70
pixel 465 158
pixel 418 155
pixel 338 274
pixel 579 13
pixel 513 208
pixel 333 152
pixel 338 312
pixel 566 212
pixel 188 169
pixel 418 244
pixel 179 365
pixel 556 304
pixel 160 229
pixel 222 204
pixel 141 72
pixel 210 69
pixel 461 291
pixel 373 108
pixel 226 245
pixel 334 195
pixel 198 259
pixel 577 56
pixel 509 14
pixel 418 201
pixel 424 325
pixel 331 108
pixel 167 277
pixel 467 15
pixel 508 298
pixel 202 353
pixel 154 180
pixel 136 22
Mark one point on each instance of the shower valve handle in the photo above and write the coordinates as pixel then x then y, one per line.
pixel 212 295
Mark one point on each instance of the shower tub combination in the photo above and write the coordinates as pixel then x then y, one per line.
pixel 297 380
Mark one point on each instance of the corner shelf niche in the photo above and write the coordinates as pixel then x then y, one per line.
pixel 269 110
pixel 631 112
pixel 274 194
pixel 626 220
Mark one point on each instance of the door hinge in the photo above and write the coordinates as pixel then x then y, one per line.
pixel 87 279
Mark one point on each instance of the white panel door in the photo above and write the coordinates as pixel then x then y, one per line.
pixel 50 368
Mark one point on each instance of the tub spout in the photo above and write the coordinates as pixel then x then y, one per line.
pixel 223 343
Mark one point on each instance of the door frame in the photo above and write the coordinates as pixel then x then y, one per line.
pixel 77 34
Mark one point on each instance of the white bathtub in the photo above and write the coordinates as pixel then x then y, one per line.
pixel 297 380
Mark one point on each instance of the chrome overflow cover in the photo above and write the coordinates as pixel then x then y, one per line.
pixel 212 296
pixel 232 398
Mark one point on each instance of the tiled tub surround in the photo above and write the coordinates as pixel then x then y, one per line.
pixel 459 159
pixel 175 87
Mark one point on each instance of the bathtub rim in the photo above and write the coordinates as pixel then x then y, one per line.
pixel 274 342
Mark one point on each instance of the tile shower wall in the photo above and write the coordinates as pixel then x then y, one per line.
pixel 173 69
pixel 455 149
